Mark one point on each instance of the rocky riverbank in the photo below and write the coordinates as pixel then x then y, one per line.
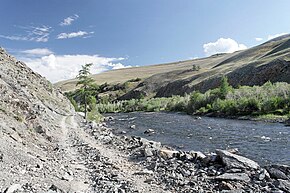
pixel 189 171
pixel 90 158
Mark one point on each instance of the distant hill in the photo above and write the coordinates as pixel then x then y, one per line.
pixel 269 61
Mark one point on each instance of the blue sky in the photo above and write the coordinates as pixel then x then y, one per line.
pixel 56 37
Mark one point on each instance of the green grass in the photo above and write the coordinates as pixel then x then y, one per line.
pixel 272 117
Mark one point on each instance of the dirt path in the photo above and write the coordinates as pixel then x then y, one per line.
pixel 127 170
pixel 77 172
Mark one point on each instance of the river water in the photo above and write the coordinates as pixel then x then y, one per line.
pixel 263 142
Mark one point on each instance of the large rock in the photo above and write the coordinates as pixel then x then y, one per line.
pixel 13 188
pixel 283 185
pixel 167 154
pixel 278 171
pixel 234 177
pixel 236 161
pixel 287 122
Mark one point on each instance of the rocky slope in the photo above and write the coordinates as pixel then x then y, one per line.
pixel 31 111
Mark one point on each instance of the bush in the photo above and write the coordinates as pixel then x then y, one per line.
pixel 245 100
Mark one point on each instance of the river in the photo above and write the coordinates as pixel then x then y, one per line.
pixel 260 141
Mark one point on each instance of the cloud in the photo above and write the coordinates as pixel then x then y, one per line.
pixel 73 35
pixel 37 52
pixel 62 67
pixel 276 35
pixel 222 45
pixel 37 34
pixel 118 66
pixel 69 20
pixel 259 39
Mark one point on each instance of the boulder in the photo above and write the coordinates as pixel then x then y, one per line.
pixel 283 185
pixel 287 122
pixel 109 118
pixel 233 177
pixel 132 127
pixel 231 160
pixel 148 152
pixel 13 188
pixel 67 177
pixel 197 154
pixel 167 154
pixel 149 131
pixel 153 144
pixel 276 173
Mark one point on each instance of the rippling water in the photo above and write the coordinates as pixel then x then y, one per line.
pixel 262 142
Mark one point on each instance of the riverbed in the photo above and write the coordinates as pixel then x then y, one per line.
pixel 263 142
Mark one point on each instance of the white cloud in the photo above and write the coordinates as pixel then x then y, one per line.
pixel 118 66
pixel 62 67
pixel 259 39
pixel 69 20
pixel 37 52
pixel 73 34
pixel 222 45
pixel 37 34
pixel 276 35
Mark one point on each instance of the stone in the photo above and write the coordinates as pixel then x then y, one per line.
pixel 152 144
pixel 167 154
pixel 232 191
pixel 67 177
pixel 16 137
pixel 132 127
pixel 1 157
pixel 284 168
pixel 276 173
pixel 13 188
pixel 54 188
pixel 226 186
pixel 107 139
pixel 287 123
pixel 233 177
pixel 231 160
pixel 109 118
pixel 197 154
pixel 144 172
pixel 149 131
pixel 148 152
pixel 263 174
pixel 284 185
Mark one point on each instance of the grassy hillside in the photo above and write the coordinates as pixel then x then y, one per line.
pixel 269 61
pixel 125 74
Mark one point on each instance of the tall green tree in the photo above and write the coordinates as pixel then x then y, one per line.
pixel 224 87
pixel 87 84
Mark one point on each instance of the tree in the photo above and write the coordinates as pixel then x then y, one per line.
pixel 87 83
pixel 195 67
pixel 224 87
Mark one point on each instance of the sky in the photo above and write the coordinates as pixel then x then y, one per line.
pixel 56 37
